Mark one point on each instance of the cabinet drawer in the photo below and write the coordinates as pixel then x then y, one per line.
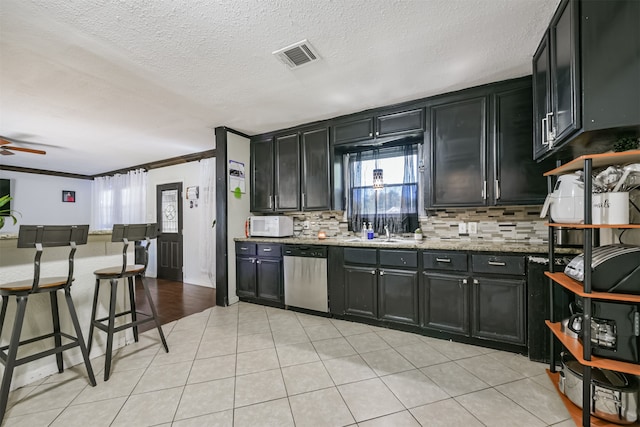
pixel 245 248
pixel 444 261
pixel 269 250
pixel 353 131
pixel 498 264
pixel 398 258
pixel 360 256
pixel 405 121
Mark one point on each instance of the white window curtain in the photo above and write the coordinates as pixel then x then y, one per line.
pixel 207 244
pixel 119 199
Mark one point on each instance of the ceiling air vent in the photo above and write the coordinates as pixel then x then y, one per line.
pixel 297 54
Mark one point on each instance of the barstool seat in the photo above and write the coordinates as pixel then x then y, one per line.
pixel 40 237
pixel 125 233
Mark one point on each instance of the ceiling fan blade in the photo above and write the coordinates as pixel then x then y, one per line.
pixel 4 141
pixel 26 150
pixel 6 152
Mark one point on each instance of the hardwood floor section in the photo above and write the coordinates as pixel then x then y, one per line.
pixel 173 300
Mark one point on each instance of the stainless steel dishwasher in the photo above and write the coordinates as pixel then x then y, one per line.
pixel 305 277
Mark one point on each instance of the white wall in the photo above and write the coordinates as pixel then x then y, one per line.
pixel 189 175
pixel 38 199
pixel 237 209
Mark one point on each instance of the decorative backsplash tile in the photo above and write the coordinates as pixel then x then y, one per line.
pixel 512 223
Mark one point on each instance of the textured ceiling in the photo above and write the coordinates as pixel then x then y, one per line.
pixel 107 84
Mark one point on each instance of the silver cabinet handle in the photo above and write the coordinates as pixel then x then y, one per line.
pixel 271 201
pixel 464 281
pixel 544 132
pixel 266 250
pixel 242 248
pixel 373 272
pixel 377 133
pixel 497 188
pixel 382 272
pixel 258 262
pixel 253 261
pixel 304 200
pixel 370 134
pixel 497 263
pixel 552 132
pixel 484 190
pixel 443 260
pixel 475 282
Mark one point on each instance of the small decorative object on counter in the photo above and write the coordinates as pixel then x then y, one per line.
pixel 417 235
pixel 322 235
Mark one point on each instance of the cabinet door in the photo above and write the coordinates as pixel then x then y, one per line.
pixel 398 296
pixel 269 280
pixel 262 176
pixel 458 172
pixel 360 291
pixel 565 89
pixel 541 97
pixel 402 122
pixel 316 185
pixel 518 177
pixel 287 174
pixel 353 131
pixel 498 309
pixel 246 277
pixel 445 302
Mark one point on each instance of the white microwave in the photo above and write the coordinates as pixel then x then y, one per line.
pixel 270 226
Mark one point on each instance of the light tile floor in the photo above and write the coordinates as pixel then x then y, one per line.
pixel 250 365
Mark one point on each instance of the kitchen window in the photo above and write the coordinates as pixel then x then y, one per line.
pixel 396 203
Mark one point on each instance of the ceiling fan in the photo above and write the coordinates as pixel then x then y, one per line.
pixel 7 149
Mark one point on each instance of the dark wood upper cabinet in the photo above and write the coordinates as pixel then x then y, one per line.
pixel 316 176
pixel 458 153
pixel 586 73
pixel 354 130
pixel 400 122
pixel 556 84
pixel 287 173
pixel 262 194
pixel 518 177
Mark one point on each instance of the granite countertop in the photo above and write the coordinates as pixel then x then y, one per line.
pixel 14 236
pixel 429 243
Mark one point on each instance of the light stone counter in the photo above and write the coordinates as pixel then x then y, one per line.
pixel 429 243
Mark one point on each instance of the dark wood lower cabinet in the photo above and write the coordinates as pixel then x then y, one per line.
pixel 445 302
pixel 398 296
pixel 499 309
pixel 246 277
pixel 269 279
pixel 361 293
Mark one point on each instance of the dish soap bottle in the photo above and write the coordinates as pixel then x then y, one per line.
pixel 370 232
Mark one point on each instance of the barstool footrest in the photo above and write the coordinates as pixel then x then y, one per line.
pixel 98 322
pixel 75 343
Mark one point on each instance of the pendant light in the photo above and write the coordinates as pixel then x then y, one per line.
pixel 378 183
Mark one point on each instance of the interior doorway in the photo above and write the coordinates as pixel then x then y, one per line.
pixel 169 218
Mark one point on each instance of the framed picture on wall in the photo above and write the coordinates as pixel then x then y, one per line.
pixel 68 196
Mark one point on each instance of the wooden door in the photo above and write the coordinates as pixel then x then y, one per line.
pixel 169 217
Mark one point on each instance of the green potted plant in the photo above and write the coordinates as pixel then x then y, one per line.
pixel 417 235
pixel 6 212
pixel 624 144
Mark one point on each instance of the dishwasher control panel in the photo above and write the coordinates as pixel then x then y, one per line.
pixel 308 251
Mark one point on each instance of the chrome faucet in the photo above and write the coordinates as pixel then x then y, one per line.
pixel 387 233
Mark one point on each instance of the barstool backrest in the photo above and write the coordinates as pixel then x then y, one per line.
pixel 126 233
pixel 48 236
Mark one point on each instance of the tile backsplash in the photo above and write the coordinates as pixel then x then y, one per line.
pixel 512 223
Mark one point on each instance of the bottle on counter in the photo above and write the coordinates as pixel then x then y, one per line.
pixel 365 231
pixel 370 232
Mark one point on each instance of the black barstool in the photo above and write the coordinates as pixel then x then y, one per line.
pixel 125 234
pixel 40 237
